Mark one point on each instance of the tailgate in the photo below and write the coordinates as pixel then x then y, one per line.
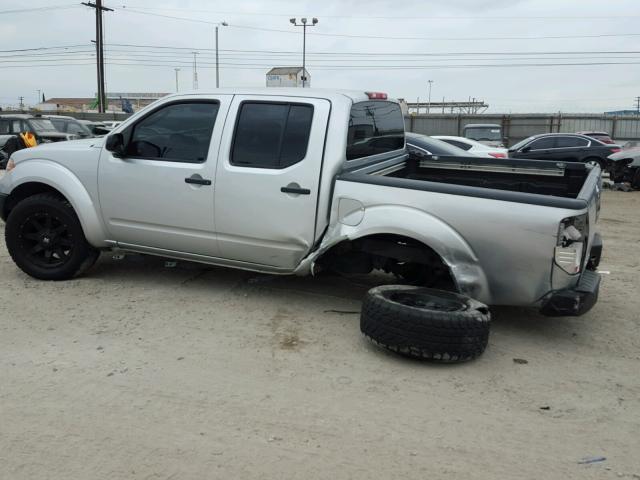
pixel 591 193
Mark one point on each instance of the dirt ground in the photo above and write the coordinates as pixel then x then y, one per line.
pixel 143 371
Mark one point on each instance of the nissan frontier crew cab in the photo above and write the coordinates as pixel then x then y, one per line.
pixel 295 181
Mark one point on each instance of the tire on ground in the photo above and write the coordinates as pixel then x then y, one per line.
pixel 426 324
pixel 41 217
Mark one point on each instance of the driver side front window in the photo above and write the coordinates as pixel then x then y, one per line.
pixel 179 132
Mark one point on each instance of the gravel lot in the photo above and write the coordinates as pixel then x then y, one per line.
pixel 141 371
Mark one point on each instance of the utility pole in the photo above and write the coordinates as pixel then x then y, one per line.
pixel 637 105
pixel 195 71
pixel 38 97
pixel 221 24
pixel 429 101
pixel 102 97
pixel 314 22
pixel 177 86
pixel 21 103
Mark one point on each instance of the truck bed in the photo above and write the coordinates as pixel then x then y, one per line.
pixel 514 177
pixel 526 181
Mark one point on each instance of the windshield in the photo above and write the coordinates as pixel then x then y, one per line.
pixel 41 125
pixel 484 133
pixel 521 143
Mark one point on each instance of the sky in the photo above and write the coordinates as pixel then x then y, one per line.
pixel 498 51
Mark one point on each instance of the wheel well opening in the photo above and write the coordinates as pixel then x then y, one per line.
pixel 24 191
pixel 404 257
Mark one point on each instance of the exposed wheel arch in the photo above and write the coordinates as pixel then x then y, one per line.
pixel 26 190
pixel 403 256
pixel 595 160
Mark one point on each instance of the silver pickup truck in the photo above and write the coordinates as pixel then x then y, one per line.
pixel 294 181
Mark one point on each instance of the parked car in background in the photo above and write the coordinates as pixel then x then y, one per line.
pixel 486 133
pixel 624 166
pixel 604 137
pixel 473 147
pixel 423 145
pixel 4 157
pixel 564 147
pixel 112 124
pixel 631 144
pixel 98 129
pixel 66 124
pixel 41 127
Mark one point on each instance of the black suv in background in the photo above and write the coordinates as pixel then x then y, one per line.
pixel 564 147
pixel 42 128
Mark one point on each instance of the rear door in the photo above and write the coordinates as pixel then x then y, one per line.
pixel 268 178
pixel 570 148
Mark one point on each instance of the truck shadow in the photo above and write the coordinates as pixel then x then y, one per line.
pixel 201 280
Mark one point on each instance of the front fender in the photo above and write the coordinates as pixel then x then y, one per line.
pixel 423 227
pixel 68 184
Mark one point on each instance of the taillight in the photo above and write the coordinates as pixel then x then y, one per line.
pixel 376 95
pixel 498 155
pixel 615 149
pixel 572 238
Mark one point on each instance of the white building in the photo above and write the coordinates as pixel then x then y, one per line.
pixel 287 77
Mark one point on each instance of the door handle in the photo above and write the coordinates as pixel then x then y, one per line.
pixel 197 180
pixel 296 190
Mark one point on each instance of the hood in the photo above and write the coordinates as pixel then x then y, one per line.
pixel 68 146
pixel 632 153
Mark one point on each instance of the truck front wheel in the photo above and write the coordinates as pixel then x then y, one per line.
pixel 45 239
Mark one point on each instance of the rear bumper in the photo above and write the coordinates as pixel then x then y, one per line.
pixel 576 301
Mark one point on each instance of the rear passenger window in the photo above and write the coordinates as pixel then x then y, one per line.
pixel 271 135
pixel 542 143
pixel 178 133
pixel 566 142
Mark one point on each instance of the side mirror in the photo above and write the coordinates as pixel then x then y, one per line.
pixel 526 149
pixel 115 144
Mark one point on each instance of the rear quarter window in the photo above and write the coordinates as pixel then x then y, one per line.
pixel 375 127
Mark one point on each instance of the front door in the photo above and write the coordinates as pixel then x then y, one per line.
pixel 539 149
pixel 268 177
pixel 160 194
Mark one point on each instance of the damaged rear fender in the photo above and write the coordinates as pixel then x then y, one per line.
pixel 418 225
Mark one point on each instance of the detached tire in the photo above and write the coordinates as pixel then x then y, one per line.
pixel 426 324
pixel 45 239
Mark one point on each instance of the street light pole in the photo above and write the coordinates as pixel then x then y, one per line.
pixel 195 71
pixel 177 87
pixel 223 24
pixel 303 24
pixel 429 100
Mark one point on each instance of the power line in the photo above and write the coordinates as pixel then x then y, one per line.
pixel 251 66
pixel 355 57
pixel 40 9
pixel 397 17
pixel 377 37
